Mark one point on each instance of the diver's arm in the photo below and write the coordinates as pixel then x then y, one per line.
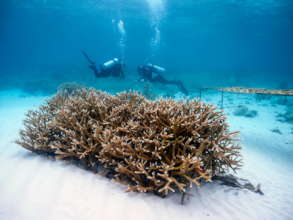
pixel 141 79
pixel 122 75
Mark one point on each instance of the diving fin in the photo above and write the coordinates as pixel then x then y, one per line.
pixel 88 58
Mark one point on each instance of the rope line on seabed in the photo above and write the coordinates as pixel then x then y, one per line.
pixel 285 92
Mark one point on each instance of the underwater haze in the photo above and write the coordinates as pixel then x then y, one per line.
pixel 226 53
pixel 233 42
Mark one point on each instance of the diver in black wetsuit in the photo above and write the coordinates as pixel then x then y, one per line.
pixel 152 73
pixel 114 68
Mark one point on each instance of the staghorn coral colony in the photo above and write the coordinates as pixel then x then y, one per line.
pixel 150 146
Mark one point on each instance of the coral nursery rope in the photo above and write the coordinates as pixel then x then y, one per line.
pixel 287 92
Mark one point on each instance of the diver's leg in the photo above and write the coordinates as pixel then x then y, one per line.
pixel 161 79
pixel 95 70
pixel 121 72
pixel 182 88
pixel 179 84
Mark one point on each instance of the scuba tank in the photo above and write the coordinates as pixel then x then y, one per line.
pixel 110 63
pixel 156 68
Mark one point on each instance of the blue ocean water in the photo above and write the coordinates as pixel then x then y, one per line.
pixel 202 43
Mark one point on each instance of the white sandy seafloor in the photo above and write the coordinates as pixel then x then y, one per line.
pixel 33 187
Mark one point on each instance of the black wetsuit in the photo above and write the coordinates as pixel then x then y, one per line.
pixel 148 73
pixel 114 71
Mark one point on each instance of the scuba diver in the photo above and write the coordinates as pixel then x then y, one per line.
pixel 152 73
pixel 114 67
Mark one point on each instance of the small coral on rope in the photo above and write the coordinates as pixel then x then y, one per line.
pixel 150 146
